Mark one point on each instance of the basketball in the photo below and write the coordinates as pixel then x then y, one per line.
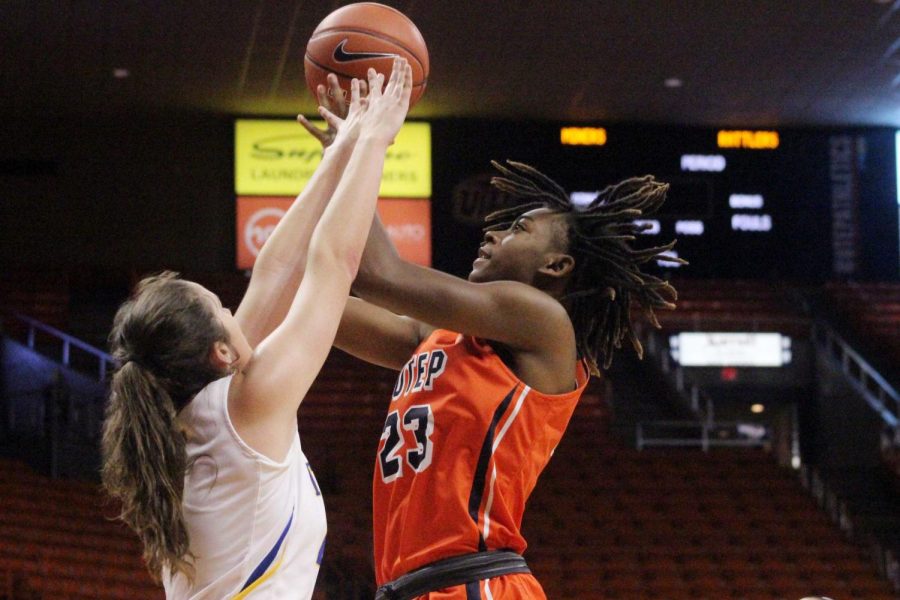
pixel 358 36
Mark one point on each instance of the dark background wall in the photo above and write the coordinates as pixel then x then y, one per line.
pixel 153 191
pixel 142 191
pixel 795 181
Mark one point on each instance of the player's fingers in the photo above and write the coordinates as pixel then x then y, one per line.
pixel 374 87
pixel 322 96
pixel 313 130
pixel 363 89
pixel 354 92
pixel 308 126
pixel 339 102
pixel 395 71
pixel 401 74
pixel 406 92
pixel 397 77
pixel 330 118
pixel 401 79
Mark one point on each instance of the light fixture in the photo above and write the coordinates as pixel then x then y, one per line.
pixel 673 82
pixel 120 73
pixel 757 408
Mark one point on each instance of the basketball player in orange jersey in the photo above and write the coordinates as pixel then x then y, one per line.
pixel 490 371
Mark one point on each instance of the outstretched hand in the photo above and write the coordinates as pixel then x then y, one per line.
pixel 387 108
pixel 334 99
pixel 347 128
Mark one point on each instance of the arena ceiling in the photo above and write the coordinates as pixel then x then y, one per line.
pixel 739 62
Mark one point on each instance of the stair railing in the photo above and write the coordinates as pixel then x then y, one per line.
pixel 105 362
pixel 861 376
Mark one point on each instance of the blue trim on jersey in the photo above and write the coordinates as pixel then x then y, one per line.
pixel 312 478
pixel 473 590
pixel 270 557
pixel 321 553
pixel 484 458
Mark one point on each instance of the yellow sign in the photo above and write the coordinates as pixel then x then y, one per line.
pixel 754 140
pixel 277 158
pixel 582 136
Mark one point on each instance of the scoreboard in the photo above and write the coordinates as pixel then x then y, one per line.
pixel 806 204
pixel 730 205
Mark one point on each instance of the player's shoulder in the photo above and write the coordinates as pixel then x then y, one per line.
pixel 434 336
pixel 528 300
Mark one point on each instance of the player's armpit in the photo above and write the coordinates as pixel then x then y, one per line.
pixel 379 336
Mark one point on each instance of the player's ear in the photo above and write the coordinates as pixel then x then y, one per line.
pixel 557 264
pixel 221 355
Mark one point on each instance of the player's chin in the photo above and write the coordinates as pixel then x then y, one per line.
pixel 478 274
pixel 485 270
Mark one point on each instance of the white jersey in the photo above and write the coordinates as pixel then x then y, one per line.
pixel 257 526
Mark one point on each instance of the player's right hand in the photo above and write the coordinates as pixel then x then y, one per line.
pixel 387 109
pixel 347 129
pixel 334 99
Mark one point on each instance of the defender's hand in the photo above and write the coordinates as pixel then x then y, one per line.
pixel 387 109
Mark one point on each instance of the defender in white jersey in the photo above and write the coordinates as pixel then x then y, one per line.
pixel 200 441
pixel 249 516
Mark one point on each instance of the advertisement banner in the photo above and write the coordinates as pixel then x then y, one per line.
pixel 408 222
pixel 278 157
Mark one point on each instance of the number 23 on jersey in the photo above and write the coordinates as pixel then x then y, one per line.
pixel 419 421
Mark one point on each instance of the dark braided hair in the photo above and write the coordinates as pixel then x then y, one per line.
pixel 607 278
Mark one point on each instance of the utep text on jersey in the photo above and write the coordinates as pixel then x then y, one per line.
pixel 420 372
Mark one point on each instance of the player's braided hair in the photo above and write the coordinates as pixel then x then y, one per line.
pixel 607 276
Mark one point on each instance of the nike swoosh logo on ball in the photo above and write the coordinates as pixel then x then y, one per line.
pixel 341 55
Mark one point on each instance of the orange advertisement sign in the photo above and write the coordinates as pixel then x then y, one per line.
pixel 256 219
pixel 408 222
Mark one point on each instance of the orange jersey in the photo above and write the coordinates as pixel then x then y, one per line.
pixel 461 450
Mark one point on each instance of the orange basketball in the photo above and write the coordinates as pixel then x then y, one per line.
pixel 358 36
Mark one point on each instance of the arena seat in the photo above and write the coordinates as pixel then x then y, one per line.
pixel 605 522
pixel 683 523
pixel 714 305
pixel 58 535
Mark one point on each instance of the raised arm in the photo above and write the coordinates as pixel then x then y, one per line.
pixel 377 335
pixel 515 314
pixel 282 260
pixel 285 364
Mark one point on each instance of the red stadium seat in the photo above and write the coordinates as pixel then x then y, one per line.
pixel 605 521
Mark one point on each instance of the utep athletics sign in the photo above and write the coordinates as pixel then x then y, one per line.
pixel 408 222
pixel 277 158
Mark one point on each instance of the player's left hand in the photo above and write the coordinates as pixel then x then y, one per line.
pixel 334 100
pixel 347 129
